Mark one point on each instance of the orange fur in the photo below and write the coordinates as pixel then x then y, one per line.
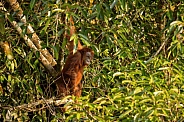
pixel 69 82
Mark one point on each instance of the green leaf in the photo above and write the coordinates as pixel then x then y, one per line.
pixel 126 81
pixel 78 115
pixel 2 28
pixel 64 43
pixel 117 74
pixel 122 3
pixel 85 42
pixel 75 43
pixel 9 78
pixel 177 23
pixel 32 3
pixel 158 92
pixel 37 54
pixel 98 100
pixel 44 30
pixel 95 49
pixel 39 89
pixel 12 66
pixel 164 68
pixel 125 114
pixel 149 111
pixel 138 90
pixel 83 36
pixel 56 53
pixel 113 4
pixel 142 63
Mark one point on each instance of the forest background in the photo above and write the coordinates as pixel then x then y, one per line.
pixel 136 74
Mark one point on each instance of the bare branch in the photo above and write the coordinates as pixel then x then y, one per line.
pixel 158 51
pixel 162 45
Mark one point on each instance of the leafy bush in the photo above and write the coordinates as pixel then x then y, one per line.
pixel 137 72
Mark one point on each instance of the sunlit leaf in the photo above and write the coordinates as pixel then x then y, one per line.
pixel 164 68
pixel 117 74
pixel 158 92
pixel 125 114
pixel 126 81
pixel 137 90
pixel 177 23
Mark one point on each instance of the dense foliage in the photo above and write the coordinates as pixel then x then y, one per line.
pixel 137 72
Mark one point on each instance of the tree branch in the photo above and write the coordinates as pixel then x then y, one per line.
pixel 46 103
pixel 31 45
pixel 45 57
pixel 36 40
